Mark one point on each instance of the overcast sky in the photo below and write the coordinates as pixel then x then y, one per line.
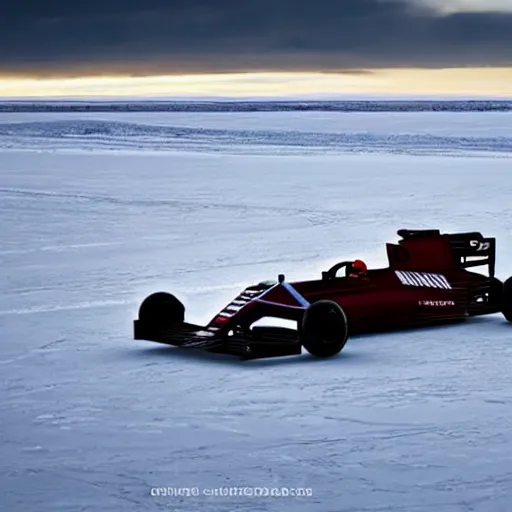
pixel 80 37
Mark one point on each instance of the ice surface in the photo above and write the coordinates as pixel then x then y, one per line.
pixel 91 420
pixel 303 133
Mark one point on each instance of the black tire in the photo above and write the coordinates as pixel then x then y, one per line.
pixel 161 308
pixel 506 304
pixel 324 329
pixel 496 293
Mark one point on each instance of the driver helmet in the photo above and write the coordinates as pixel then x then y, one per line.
pixel 359 266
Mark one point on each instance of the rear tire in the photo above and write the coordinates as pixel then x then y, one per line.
pixel 506 303
pixel 324 329
pixel 496 293
pixel 161 308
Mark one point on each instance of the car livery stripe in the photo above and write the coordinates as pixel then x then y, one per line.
pixel 239 302
pixel 405 278
pixel 431 281
pixel 443 282
pixel 416 279
pixel 423 279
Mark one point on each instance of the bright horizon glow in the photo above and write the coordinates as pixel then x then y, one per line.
pixel 453 6
pixel 495 82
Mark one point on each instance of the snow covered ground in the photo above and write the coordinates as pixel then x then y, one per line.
pixel 313 133
pixel 96 214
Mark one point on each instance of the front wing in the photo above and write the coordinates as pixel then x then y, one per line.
pixel 256 343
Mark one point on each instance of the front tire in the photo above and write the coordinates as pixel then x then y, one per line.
pixel 324 329
pixel 160 309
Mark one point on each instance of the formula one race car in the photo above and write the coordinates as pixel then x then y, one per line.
pixel 427 282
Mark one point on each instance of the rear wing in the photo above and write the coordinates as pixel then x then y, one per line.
pixel 428 247
pixel 473 250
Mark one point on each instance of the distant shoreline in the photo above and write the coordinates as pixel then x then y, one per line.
pixel 34 106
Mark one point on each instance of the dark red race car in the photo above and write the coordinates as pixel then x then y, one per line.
pixel 427 282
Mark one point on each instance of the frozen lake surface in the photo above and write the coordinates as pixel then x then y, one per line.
pixel 97 211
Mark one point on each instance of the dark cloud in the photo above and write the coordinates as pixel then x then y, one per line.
pixel 64 37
